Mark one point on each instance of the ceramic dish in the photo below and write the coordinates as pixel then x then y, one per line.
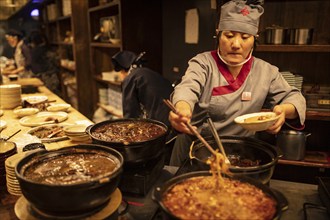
pixel 3 124
pixel 58 107
pixel 43 131
pixel 42 118
pixel 75 129
pixel 25 111
pixel 35 99
pixel 259 121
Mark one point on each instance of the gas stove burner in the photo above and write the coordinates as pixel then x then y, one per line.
pixel 138 180
pixel 25 211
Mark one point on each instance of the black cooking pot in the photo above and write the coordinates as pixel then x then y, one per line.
pixel 134 152
pixel 69 199
pixel 243 148
pixel 158 192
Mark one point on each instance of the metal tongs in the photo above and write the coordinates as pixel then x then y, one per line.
pixel 217 139
pixel 191 128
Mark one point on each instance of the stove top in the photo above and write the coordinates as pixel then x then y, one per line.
pixel 139 179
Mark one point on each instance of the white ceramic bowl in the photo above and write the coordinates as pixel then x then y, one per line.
pixel 258 121
pixel 58 107
pixel 75 129
pixel 25 111
pixel 80 138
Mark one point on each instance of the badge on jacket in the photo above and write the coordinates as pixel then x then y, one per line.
pixel 246 96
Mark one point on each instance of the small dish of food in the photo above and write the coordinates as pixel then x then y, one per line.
pixel 48 133
pixel 35 99
pixel 21 112
pixel 258 121
pixel 43 118
pixel 59 107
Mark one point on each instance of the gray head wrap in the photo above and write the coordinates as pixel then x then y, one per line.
pixel 241 16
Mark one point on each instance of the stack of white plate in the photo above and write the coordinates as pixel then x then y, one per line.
pixel 7 149
pixel 299 81
pixel 10 96
pixel 76 133
pixel 13 186
pixel 290 78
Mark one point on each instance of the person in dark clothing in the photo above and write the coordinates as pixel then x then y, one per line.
pixel 45 63
pixel 143 89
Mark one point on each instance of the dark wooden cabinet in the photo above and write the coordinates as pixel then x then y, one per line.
pixel 134 26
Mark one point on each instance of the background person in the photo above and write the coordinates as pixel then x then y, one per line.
pixel 143 89
pixel 22 56
pixel 45 63
pixel 229 82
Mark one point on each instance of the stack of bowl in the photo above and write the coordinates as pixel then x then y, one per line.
pixel 76 132
pixel 10 96
pixel 7 149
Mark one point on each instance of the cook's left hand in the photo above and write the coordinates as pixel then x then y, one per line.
pixel 276 127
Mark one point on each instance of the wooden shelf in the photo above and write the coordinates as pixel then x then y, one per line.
pixel 318 115
pixel 115 83
pixel 65 43
pixel 320 160
pixel 111 110
pixel 67 17
pixel 293 48
pixel 110 45
pixel 101 7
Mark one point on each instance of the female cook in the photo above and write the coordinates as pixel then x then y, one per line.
pixel 229 82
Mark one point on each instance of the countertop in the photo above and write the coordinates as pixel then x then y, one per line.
pixel 13 124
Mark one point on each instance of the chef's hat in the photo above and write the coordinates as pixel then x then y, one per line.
pixel 242 16
pixel 123 60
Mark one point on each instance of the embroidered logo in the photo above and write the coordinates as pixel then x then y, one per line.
pixel 245 11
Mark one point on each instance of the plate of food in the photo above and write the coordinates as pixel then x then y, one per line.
pixel 21 112
pixel 58 107
pixel 35 99
pixel 258 121
pixel 49 133
pixel 43 118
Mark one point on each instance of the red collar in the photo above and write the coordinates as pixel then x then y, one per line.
pixel 233 84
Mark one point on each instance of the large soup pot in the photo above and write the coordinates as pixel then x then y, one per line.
pixel 133 152
pixel 243 148
pixel 160 191
pixel 70 198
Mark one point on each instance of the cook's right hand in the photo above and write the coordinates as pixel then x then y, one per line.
pixel 182 116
